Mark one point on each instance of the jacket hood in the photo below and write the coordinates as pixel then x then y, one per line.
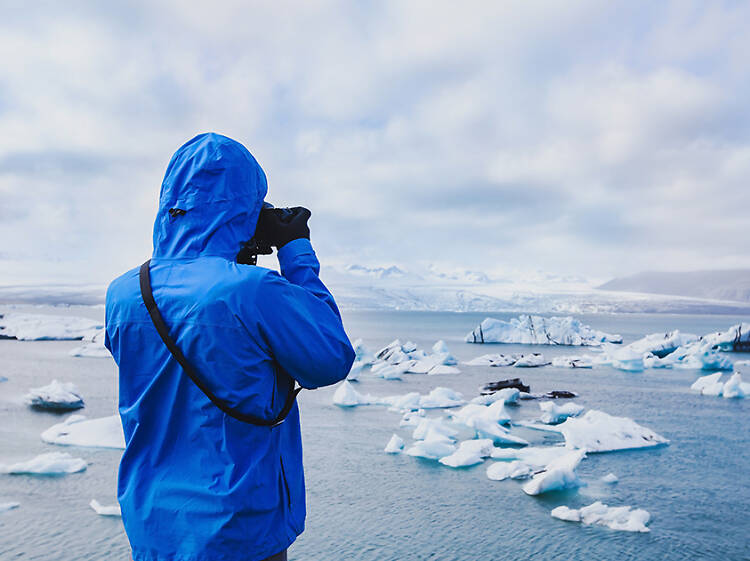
pixel 214 189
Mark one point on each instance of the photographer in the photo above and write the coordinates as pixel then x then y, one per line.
pixel 209 349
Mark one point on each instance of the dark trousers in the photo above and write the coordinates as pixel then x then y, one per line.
pixel 280 556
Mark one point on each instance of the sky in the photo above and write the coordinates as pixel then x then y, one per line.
pixel 579 137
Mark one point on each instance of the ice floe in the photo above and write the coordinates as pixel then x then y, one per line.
pixel 500 471
pixel 610 479
pixel 395 445
pixel 51 463
pixel 711 384
pixel 584 361
pixel 41 327
pixel 469 453
pixel 553 413
pixel 506 395
pixel 622 518
pixel 105 510
pixel 76 430
pixel 8 505
pixel 494 360
pixel 56 396
pixel 597 431
pixel 346 396
pixel 93 347
pixel 532 360
pixel 662 344
pixel 557 475
pixel 397 358
pixel 538 330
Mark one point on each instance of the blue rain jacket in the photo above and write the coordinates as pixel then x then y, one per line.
pixel 195 484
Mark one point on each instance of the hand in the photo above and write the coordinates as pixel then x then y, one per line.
pixel 279 226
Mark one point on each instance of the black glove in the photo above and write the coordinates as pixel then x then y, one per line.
pixel 279 226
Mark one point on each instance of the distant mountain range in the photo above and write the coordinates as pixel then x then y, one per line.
pixel 732 285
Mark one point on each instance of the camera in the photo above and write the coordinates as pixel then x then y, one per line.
pixel 258 245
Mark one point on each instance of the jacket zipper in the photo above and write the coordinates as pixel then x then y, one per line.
pixel 286 485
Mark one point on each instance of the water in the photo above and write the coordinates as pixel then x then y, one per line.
pixel 366 505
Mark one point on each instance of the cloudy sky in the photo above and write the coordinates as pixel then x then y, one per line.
pixel 597 138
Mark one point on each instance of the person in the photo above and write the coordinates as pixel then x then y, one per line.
pixel 196 483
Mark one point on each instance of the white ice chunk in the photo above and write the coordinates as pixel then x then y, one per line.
pixel 443 369
pixel 409 347
pixel 506 395
pixel 441 397
pixel 429 427
pixel 4 506
pixel 93 348
pixel 493 360
pixel 499 471
pixel 610 478
pixel 56 396
pixel 431 449
pixel 469 453
pixel 558 474
pixel 705 381
pixel 537 330
pixel 597 431
pixel 553 413
pixel 346 396
pixel 733 387
pixel 622 518
pixel 662 344
pixel 355 371
pixel 532 360
pixel 102 510
pixel 395 445
pixel 412 418
pixel 440 349
pixel 487 428
pixel 41 327
pixel 537 456
pixel 404 402
pixel 104 432
pixel 583 361
pixel 390 371
pixel 627 359
pixel 52 463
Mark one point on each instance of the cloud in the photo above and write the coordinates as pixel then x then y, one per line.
pixel 577 137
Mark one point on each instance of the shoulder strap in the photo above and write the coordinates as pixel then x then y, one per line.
pixel 161 327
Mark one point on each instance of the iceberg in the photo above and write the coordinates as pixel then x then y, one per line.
pixel 440 398
pixel 412 418
pixel 495 412
pixel 494 360
pixel 597 431
pixel 734 387
pixel 361 353
pixel 431 449
pixel 92 347
pixel 5 506
pixel 346 396
pixel 558 474
pixel 712 385
pixel 435 429
pixel 662 344
pixel 622 518
pixel 553 413
pixel 584 361
pixel 708 383
pixel 469 453
pixel 538 330
pixel 41 327
pixel 531 361
pixel 506 395
pixel 736 338
pixel 398 358
pixel 395 445
pixel 625 359
pixel 520 463
pixel 56 396
pixel 103 510
pixel 355 371
pixel 52 463
pixel 500 471
pixel 443 369
pixel 487 428
pixel 610 479
pixel 104 432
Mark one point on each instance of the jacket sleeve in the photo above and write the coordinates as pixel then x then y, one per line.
pixel 300 321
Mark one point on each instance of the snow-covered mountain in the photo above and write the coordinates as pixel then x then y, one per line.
pixel 719 285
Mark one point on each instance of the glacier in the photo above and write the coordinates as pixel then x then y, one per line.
pixel 538 330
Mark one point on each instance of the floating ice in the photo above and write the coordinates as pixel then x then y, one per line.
pixel 708 385
pixel 361 353
pixel 532 360
pixel 431 449
pixel 734 387
pixel 535 456
pixel 92 347
pixel 389 371
pixel 40 327
pixel 486 428
pixel 493 360
pixel 618 518
pixel 443 369
pixel 495 412
pixel 395 445
pixel 469 453
pixel 436 429
pixel 662 344
pixel 346 396
pixel 52 463
pixel 355 371
pixel 412 418
pixel 597 431
pixel 102 510
pixel 8 506
pixel 441 397
pixel 610 478
pixel 499 471
pixel 104 432
pixel 553 413
pixel 558 474
pixel 736 338
pixel 712 385
pixel 56 396
pixel 537 330
pixel 506 395
pixel 624 359
pixel 584 361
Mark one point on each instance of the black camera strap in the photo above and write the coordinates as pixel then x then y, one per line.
pixel 161 327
